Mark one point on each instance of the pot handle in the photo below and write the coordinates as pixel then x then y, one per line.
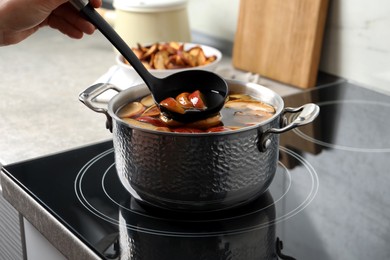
pixel 88 95
pixel 308 113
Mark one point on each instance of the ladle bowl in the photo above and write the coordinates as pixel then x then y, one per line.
pixel 208 83
pixel 213 87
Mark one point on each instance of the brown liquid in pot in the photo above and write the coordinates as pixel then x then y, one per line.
pixel 240 110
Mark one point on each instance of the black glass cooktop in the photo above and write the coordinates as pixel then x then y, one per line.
pixel 329 198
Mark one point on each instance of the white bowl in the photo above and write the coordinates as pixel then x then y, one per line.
pixel 159 73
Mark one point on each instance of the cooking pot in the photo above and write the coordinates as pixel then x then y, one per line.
pixel 202 171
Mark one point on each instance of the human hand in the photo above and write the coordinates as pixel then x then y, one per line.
pixel 19 19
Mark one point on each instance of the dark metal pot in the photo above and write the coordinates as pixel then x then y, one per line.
pixel 197 172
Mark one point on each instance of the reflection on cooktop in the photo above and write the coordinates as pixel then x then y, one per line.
pixel 354 121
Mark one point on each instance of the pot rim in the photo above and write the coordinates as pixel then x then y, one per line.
pixel 142 90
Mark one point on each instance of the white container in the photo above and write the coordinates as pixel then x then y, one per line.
pixel 148 21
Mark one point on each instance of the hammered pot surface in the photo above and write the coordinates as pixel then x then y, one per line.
pixel 194 171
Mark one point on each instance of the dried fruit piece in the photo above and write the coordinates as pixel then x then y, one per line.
pixel 169 121
pixel 206 123
pixel 151 120
pixel 250 104
pixel 139 53
pixel 189 60
pixel 197 100
pixel 172 105
pixel 150 51
pixel 131 109
pixel 167 47
pixel 141 48
pixel 175 62
pixel 151 111
pixel 147 101
pixel 183 100
pixel 198 54
pixel 134 122
pixel 176 45
pixel 210 59
pixel 240 96
pixel 160 59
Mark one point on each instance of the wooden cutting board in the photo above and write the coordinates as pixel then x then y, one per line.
pixel 281 39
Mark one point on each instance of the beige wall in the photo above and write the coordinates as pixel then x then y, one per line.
pixel 356 44
pixel 214 17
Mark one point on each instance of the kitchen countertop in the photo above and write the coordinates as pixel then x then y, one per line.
pixel 41 78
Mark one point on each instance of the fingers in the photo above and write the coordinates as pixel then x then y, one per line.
pixel 64 27
pixel 68 20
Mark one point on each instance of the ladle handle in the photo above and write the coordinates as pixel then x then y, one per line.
pixel 96 19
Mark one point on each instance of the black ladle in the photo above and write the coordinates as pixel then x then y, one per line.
pixel 212 86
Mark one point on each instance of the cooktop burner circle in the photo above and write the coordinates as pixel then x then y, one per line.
pixel 116 206
pixel 341 118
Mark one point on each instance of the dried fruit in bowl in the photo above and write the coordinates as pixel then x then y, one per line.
pixel 171 55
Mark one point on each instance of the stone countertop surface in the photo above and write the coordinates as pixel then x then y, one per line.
pixel 41 78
